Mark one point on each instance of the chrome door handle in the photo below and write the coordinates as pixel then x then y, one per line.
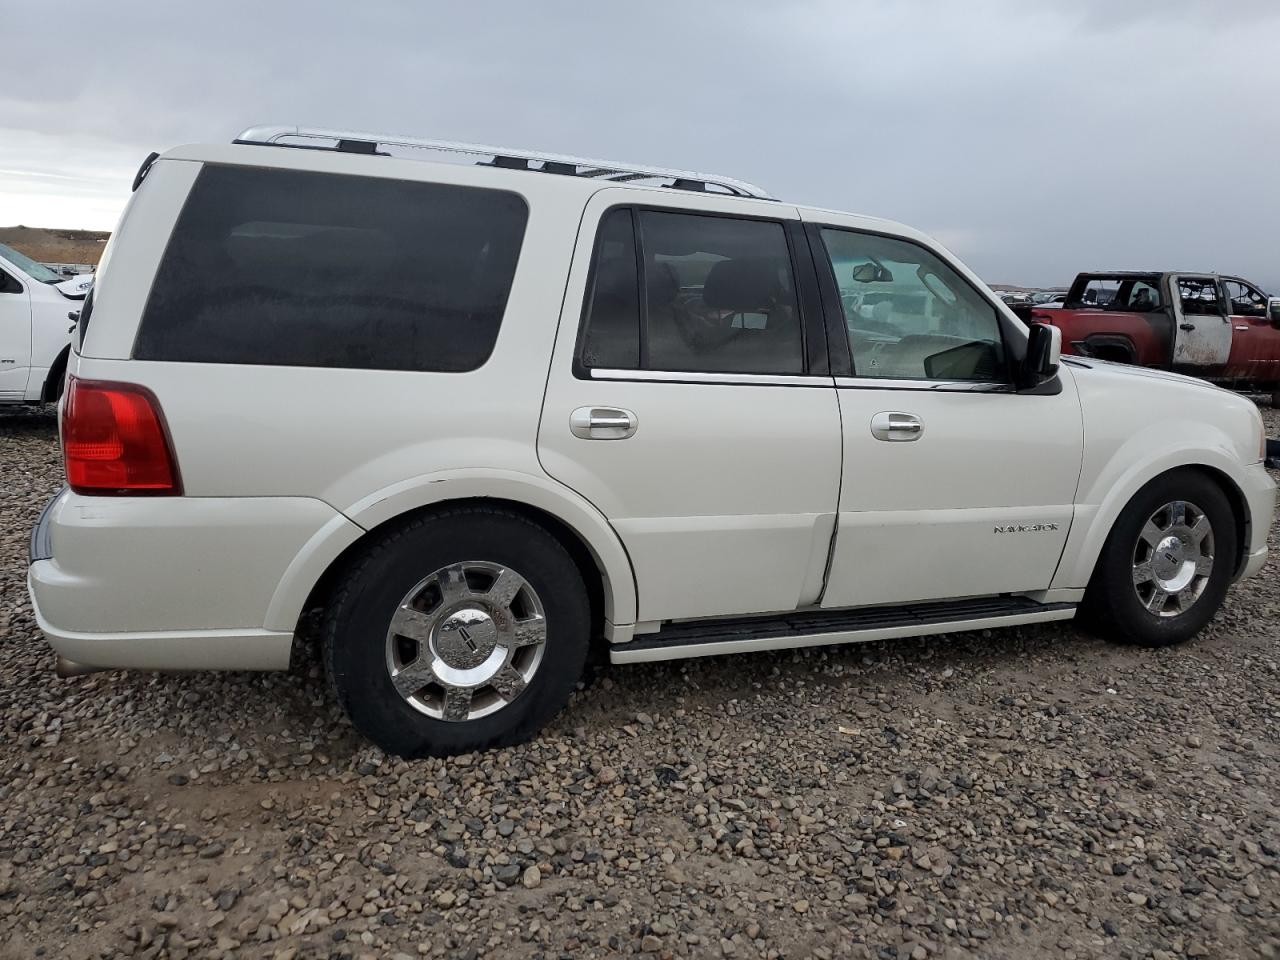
pixel 603 423
pixel 896 426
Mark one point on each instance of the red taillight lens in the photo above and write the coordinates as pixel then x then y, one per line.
pixel 114 440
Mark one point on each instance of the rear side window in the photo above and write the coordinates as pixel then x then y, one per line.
pixel 704 294
pixel 321 270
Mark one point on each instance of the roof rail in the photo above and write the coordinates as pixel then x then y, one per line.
pixel 356 142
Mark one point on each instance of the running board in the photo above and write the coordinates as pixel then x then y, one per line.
pixel 705 638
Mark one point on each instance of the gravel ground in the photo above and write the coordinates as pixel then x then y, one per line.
pixel 1029 792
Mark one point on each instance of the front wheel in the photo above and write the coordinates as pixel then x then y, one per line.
pixel 457 632
pixel 1166 566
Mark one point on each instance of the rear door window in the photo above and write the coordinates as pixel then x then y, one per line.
pixel 706 294
pixel 297 268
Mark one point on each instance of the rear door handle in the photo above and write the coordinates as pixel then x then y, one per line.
pixel 896 426
pixel 603 423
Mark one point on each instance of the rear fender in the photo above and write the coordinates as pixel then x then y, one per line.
pixel 577 514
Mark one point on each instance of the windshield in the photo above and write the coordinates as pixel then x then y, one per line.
pixel 36 271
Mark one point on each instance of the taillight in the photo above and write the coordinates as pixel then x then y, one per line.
pixel 114 440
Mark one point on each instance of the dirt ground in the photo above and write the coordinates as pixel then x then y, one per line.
pixel 56 246
pixel 1033 792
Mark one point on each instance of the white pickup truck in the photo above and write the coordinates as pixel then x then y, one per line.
pixel 38 310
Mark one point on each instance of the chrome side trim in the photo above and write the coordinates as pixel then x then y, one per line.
pixel 945 386
pixel 752 379
pixel 827 639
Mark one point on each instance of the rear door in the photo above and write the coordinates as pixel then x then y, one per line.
pixel 1202 332
pixel 689 399
pixel 15 336
pixel 1255 342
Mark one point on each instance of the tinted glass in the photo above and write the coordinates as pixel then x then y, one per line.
pixel 313 269
pixel 719 295
pixel 909 315
pixel 613 317
pixel 8 284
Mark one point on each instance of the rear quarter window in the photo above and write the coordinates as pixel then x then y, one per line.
pixel 296 268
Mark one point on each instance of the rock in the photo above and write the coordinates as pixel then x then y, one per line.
pixel 532 877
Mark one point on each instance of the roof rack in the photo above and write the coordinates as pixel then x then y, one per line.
pixel 350 141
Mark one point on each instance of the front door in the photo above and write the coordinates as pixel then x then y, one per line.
pixel 954 484
pixel 15 337
pixel 689 400
pixel 1255 341
pixel 1202 330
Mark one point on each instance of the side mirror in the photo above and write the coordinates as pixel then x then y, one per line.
pixel 1044 353
pixel 1273 311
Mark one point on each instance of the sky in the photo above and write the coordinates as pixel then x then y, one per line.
pixel 1035 138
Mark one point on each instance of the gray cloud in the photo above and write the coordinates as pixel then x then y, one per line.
pixel 1035 139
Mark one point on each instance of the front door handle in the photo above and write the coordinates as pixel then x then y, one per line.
pixel 603 423
pixel 896 426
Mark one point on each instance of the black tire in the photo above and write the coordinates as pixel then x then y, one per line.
pixel 358 618
pixel 1112 607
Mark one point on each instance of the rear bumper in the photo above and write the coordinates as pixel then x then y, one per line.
pixel 172 583
pixel 171 650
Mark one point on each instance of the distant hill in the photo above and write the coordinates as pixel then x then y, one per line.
pixel 56 246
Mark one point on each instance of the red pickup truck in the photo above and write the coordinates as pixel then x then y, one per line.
pixel 1220 328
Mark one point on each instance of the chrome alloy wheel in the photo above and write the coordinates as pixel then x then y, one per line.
pixel 466 640
pixel 1173 558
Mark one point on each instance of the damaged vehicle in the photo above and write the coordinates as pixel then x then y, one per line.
pixel 1220 328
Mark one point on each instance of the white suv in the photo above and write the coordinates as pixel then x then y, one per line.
pixel 486 415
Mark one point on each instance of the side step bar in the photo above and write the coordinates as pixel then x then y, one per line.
pixel 705 638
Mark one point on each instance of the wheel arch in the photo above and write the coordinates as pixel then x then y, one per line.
pixel 584 532
pixel 1111 346
pixel 52 388
pixel 1089 532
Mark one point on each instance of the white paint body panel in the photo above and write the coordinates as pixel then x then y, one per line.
pixel 1140 423
pixel 919 520
pixel 724 502
pixel 723 498
pixel 152 564
pixel 34 330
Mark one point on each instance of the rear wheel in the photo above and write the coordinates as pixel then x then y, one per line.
pixel 1166 566
pixel 457 632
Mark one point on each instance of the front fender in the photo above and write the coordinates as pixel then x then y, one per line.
pixel 413 494
pixel 1107 486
